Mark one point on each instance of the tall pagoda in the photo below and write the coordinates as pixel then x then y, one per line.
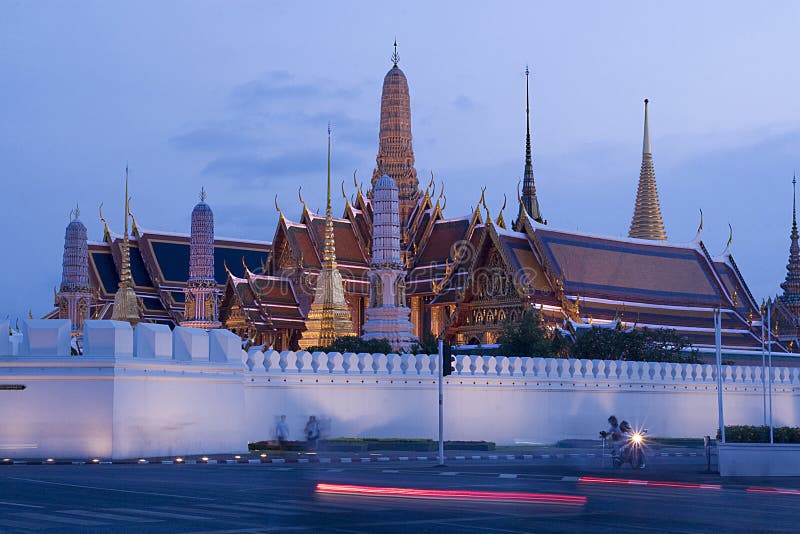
pixel 73 299
pixel 329 316
pixel 647 222
pixel 126 303
pixel 529 199
pixel 395 153
pixel 202 295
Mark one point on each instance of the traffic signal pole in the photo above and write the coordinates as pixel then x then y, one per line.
pixel 441 405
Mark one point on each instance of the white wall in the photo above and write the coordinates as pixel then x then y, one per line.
pixel 112 403
pixel 523 400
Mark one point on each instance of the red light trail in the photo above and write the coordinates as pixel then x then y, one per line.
pixel 507 496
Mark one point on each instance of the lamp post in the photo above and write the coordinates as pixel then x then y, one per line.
pixel 769 355
pixel 718 343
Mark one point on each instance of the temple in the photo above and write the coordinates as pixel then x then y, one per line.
pixel 394 266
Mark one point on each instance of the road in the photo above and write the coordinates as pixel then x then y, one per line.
pixel 285 498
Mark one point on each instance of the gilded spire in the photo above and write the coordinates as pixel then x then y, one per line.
pixel 329 316
pixel 791 286
pixel 126 304
pixel 329 252
pixel 647 222
pixel 529 198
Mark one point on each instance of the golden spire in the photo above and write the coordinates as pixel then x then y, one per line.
pixel 329 316
pixel 126 304
pixel 647 222
pixel 329 252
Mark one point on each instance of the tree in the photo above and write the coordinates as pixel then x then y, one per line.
pixel 657 345
pixel 355 344
pixel 526 338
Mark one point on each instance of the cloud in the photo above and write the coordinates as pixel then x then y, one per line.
pixel 229 135
pixel 281 86
pixel 251 167
pixel 464 103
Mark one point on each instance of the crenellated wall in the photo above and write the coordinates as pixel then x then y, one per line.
pixel 143 392
pixel 502 399
pixel 156 392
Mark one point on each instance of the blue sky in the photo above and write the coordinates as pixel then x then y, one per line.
pixel 235 96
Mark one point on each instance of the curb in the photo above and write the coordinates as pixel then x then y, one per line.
pixel 323 459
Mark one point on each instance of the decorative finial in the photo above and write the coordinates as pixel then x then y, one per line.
pixel 300 194
pixel 646 147
pixel 202 194
pixel 77 211
pixel 280 213
pixel 355 181
pixel 395 55
pixel 794 202
pixel 730 238
pixel 700 226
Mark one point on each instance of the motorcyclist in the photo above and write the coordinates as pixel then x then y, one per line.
pixel 630 451
pixel 613 434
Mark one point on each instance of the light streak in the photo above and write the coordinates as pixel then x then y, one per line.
pixel 507 496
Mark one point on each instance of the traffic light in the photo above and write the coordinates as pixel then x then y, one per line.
pixel 447 359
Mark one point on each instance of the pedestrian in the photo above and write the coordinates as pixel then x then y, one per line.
pixel 312 433
pixel 282 432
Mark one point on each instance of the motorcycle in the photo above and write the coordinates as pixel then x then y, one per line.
pixel 632 451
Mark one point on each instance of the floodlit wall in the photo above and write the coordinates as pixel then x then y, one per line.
pixel 133 393
pixel 156 392
pixel 506 400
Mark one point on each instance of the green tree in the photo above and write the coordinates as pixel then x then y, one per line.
pixel 355 344
pixel 527 337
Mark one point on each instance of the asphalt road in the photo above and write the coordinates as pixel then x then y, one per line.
pixel 285 498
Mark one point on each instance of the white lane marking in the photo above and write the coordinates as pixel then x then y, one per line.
pixel 511 457
pixel 493 457
pixel 113 517
pixel 345 460
pixel 6 503
pixel 449 473
pixel 334 470
pixel 55 519
pixel 476 457
pixel 251 461
pixel 402 458
pixel 461 457
pixel 422 458
pixel 192 517
pixel 278 461
pixel 110 489
pixel 570 479
pixel 251 508
pixel 324 460
pixel 508 475
pixel 302 460
pixel 390 471
pixel 383 458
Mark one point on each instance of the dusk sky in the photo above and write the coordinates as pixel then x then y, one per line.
pixel 235 97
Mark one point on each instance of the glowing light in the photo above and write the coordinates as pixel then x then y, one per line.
pixel 263 455
pixel 237 457
pixel 6 459
pixel 50 460
pixel 779 491
pixel 178 460
pixel 95 460
pixel 507 496
pixel 204 458
pixel 637 438
pixel 142 461
pixel 649 483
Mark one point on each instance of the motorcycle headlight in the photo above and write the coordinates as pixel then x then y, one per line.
pixel 637 438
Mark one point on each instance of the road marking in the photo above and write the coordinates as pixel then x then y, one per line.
pixel 383 458
pixel 511 457
pixel 113 517
pixel 448 473
pixel 493 457
pixel 402 458
pixel 508 475
pixel 6 503
pixel 251 461
pixel 422 457
pixel 274 509
pixel 461 457
pixel 476 457
pixel 278 461
pixel 302 460
pixel 283 469
pixel 390 471
pixel 527 457
pixel 345 460
pixel 570 479
pixel 324 460
pixel 56 519
pixel 110 489
pixel 334 470
pixel 170 515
